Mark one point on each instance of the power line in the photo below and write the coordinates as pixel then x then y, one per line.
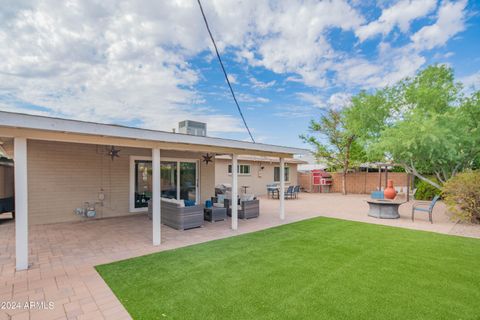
pixel 224 71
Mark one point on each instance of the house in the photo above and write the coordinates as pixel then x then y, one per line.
pixel 255 172
pixel 310 163
pixel 61 166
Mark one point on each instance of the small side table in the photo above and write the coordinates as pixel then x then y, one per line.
pixel 215 214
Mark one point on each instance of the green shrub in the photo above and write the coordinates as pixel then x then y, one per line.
pixel 425 191
pixel 462 196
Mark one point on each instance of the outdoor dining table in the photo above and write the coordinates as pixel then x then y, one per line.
pixel 273 190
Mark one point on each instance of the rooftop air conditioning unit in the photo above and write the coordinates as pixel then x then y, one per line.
pixel 193 127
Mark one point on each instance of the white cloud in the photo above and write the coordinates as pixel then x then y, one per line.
pixel 289 37
pixel 450 21
pixel 260 84
pixel 293 79
pixel 127 61
pixel 336 101
pixel 232 78
pixel 357 71
pixel 339 100
pixel 445 55
pixel 400 15
pixel 107 62
pixel 313 99
pixel 244 97
pixel 391 65
pixel 472 81
pixel 294 111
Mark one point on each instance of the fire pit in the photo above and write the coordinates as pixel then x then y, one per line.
pixel 384 209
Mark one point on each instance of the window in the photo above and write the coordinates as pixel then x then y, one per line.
pixel 276 174
pixel 243 169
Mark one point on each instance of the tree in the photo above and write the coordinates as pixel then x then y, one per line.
pixel 423 123
pixel 334 144
pixel 366 117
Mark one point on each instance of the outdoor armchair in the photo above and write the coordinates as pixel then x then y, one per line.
pixel 246 210
pixel 425 206
pixel 296 191
pixel 290 193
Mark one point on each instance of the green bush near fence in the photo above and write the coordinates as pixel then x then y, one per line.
pixel 425 191
pixel 462 196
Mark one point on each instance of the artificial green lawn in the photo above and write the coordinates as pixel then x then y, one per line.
pixel 315 269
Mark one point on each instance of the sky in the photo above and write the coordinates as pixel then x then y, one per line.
pixel 151 64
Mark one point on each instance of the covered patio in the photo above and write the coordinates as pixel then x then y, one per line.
pixel 63 255
pixel 61 165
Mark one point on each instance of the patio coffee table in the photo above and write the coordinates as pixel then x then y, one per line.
pixel 384 209
pixel 215 214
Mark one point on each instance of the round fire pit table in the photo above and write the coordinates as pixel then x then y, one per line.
pixel 384 209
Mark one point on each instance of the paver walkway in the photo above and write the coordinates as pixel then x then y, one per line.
pixel 63 255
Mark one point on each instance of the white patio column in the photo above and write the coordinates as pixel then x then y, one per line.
pixel 21 202
pixel 156 204
pixel 234 192
pixel 282 189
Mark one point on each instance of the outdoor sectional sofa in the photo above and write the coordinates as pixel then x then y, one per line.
pixel 178 216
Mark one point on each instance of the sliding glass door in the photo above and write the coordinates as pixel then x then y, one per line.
pixel 168 181
pixel 178 180
pixel 188 181
pixel 143 183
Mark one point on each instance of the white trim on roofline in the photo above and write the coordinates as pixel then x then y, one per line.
pixel 28 121
pixel 260 159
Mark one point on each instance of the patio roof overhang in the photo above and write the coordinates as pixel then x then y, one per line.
pixel 23 127
pixel 64 130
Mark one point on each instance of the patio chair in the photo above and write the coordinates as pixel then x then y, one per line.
pixel 289 193
pixel 425 206
pixel 296 191
pixel 246 210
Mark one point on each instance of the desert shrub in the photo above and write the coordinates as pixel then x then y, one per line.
pixel 462 196
pixel 425 191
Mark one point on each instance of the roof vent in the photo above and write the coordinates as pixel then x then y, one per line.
pixel 193 127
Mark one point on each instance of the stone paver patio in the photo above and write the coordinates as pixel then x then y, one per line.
pixel 63 255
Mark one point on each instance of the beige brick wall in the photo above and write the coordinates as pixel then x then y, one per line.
pixel 62 176
pixel 257 180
